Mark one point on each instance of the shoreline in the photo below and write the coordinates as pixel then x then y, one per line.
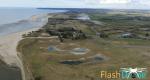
pixel 8 45
pixel 10 42
pixel 8 50
pixel 22 25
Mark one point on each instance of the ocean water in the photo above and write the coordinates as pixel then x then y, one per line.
pixel 10 15
pixel 18 19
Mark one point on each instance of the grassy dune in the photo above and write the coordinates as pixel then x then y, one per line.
pixel 42 64
pixel 45 65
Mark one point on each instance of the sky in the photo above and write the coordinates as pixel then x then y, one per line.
pixel 117 4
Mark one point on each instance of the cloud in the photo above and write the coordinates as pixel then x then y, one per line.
pixel 115 1
pixel 92 1
pixel 108 1
pixel 143 2
pixel 125 4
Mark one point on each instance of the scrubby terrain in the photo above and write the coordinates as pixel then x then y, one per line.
pixel 73 48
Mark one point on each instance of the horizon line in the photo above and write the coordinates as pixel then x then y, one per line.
pixel 78 8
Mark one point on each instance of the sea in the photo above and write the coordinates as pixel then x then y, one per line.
pixel 18 19
pixel 14 20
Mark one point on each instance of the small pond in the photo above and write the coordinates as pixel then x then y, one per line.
pixel 71 62
pixel 52 48
pixel 79 51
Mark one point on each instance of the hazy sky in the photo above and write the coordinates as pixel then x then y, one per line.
pixel 127 4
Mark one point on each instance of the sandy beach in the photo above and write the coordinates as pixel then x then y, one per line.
pixel 8 52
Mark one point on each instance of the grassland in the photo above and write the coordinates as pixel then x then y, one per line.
pixel 42 64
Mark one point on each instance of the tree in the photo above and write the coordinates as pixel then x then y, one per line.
pixel 147 35
pixel 103 35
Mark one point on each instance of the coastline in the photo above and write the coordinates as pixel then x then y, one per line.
pixel 8 52
pixel 8 46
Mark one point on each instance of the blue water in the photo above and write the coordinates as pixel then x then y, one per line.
pixel 10 15
pixel 18 19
